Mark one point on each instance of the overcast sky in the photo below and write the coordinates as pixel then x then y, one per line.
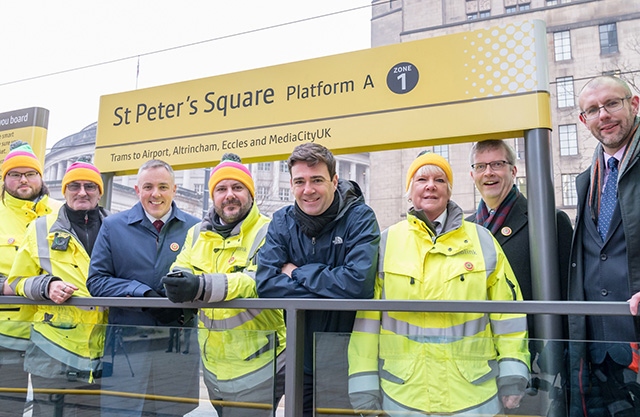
pixel 51 49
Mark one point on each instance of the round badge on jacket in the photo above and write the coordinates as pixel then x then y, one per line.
pixel 174 247
pixel 506 231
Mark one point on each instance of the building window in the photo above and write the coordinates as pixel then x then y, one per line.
pixel 608 39
pixel 264 166
pixel 568 139
pixel 283 194
pixel 569 193
pixel 510 6
pixel 475 9
pixel 474 16
pixel 442 150
pixel 284 168
pixel 552 2
pixel 521 184
pixel 562 45
pixel 198 188
pixel 262 193
pixel 564 90
pixel 519 148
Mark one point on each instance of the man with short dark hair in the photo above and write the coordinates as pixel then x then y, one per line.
pixel 134 249
pixel 324 246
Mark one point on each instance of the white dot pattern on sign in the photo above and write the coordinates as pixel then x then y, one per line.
pixel 501 60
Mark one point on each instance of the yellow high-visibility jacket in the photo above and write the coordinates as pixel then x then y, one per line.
pixel 72 335
pixel 436 362
pixel 16 214
pixel 235 343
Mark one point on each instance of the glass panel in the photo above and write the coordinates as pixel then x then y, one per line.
pixel 98 370
pixel 418 374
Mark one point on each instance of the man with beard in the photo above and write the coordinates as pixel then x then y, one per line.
pixel 217 263
pixel 52 263
pixel 605 265
pixel 24 198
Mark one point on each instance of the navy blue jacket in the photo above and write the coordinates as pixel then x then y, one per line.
pixel 338 263
pixel 130 257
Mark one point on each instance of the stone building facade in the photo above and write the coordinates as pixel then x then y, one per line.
pixel 585 38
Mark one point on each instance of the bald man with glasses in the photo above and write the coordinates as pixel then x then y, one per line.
pixel 605 265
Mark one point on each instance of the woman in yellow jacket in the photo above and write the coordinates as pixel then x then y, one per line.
pixel 431 362
pixel 67 342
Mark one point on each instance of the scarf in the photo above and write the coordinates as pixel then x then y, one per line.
pixel 313 225
pixel 224 229
pixel 85 224
pixel 494 220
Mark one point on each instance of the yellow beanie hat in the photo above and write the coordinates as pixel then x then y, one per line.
pixel 21 157
pixel 231 168
pixel 82 171
pixel 429 159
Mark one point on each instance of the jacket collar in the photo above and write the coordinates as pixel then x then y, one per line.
pixel 40 208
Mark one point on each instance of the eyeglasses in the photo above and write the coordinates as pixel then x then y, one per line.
pixel 88 187
pixel 610 106
pixel 495 166
pixel 18 175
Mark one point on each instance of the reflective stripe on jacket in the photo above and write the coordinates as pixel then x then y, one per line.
pixel 16 215
pixel 439 362
pixel 228 267
pixel 72 335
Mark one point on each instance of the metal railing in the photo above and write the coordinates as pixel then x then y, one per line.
pixel 295 309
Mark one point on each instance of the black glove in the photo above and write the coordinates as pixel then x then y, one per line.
pixel 164 315
pixel 184 288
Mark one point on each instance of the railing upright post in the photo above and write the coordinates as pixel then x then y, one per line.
pixel 294 373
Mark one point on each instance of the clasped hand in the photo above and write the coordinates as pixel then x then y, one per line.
pixel 182 287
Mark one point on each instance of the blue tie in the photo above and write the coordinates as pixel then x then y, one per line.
pixel 608 199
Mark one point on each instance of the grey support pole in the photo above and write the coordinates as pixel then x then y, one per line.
pixel 107 195
pixel 542 229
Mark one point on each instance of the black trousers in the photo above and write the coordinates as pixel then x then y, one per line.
pixel 619 387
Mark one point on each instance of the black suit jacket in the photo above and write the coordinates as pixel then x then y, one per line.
pixel 513 237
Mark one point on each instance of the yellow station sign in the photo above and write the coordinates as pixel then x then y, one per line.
pixel 457 88
pixel 29 125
